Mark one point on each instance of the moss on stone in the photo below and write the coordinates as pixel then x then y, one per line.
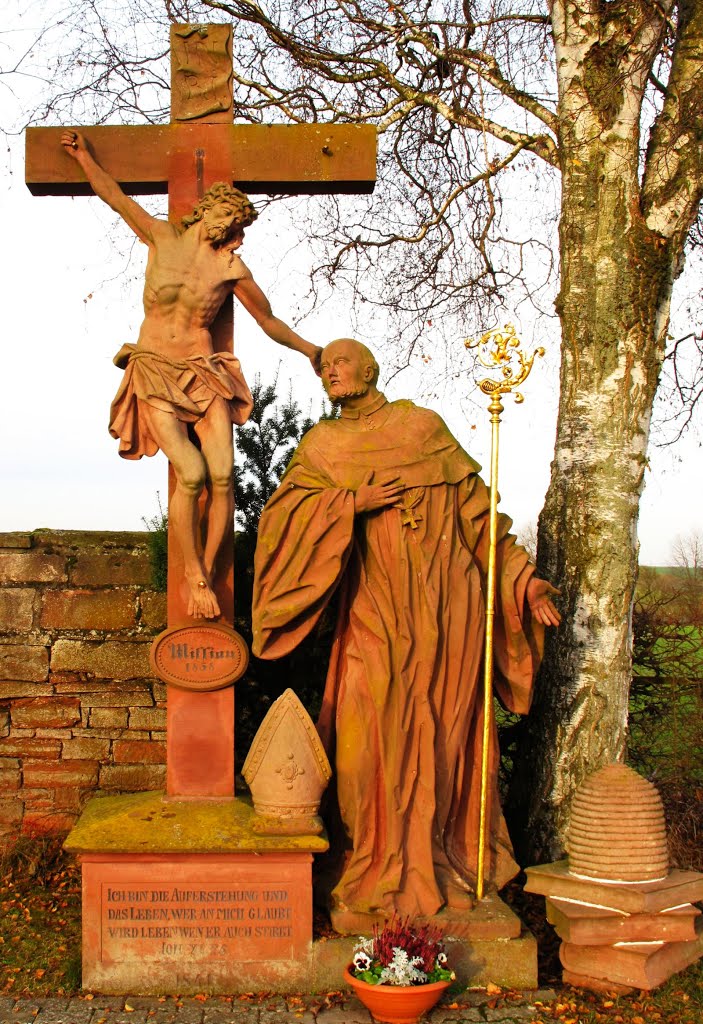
pixel 150 823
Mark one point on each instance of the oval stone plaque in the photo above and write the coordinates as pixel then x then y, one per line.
pixel 203 657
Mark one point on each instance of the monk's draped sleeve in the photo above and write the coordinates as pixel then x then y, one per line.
pixel 306 534
pixel 517 640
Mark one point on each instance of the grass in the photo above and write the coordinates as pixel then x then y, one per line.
pixel 40 921
pixel 679 1001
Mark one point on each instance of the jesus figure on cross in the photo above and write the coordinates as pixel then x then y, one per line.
pixel 174 381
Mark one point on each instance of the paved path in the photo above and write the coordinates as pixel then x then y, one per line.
pixel 470 1008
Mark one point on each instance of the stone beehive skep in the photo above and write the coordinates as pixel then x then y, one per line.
pixel 617 831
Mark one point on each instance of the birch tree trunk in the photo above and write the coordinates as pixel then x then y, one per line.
pixel 621 245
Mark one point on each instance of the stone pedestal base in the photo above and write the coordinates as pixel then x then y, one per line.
pixel 510 963
pixel 621 934
pixel 488 919
pixel 184 898
pixel 484 944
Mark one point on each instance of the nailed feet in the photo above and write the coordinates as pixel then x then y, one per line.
pixel 202 603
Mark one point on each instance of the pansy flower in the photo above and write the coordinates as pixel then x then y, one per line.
pixel 362 961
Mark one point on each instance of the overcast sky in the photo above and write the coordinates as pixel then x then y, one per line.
pixel 72 297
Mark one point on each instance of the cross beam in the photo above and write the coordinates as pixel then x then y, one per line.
pixel 273 159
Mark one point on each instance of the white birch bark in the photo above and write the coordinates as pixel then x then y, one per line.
pixel 621 248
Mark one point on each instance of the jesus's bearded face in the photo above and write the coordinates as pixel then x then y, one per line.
pixel 345 370
pixel 221 225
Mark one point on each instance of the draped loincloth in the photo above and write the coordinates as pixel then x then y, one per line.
pixel 185 388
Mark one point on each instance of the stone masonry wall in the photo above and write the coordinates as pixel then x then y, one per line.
pixel 80 711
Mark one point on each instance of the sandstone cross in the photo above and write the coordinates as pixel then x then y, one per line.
pixel 183 158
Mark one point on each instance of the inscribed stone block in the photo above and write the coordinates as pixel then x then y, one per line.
pixel 196 923
pixel 24 662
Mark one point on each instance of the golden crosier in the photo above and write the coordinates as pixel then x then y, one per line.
pixel 496 349
pixel 500 349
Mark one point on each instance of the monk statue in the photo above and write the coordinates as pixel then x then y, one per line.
pixel 176 389
pixel 383 505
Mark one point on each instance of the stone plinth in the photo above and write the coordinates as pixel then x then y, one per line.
pixel 620 935
pixel 488 919
pixel 600 926
pixel 476 962
pixel 677 888
pixel 486 943
pixel 643 965
pixel 183 897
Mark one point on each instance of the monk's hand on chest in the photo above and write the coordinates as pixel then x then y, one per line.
pixel 371 496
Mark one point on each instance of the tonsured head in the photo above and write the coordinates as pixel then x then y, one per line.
pixel 348 369
pixel 223 209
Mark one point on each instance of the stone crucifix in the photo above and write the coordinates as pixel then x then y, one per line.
pixel 182 387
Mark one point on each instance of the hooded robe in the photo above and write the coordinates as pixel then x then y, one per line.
pixel 402 711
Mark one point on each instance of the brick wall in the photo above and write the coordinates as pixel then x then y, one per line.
pixel 80 711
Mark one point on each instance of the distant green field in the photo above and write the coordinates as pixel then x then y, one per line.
pixel 666 698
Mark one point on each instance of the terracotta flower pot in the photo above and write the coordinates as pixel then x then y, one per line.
pixel 397 1004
